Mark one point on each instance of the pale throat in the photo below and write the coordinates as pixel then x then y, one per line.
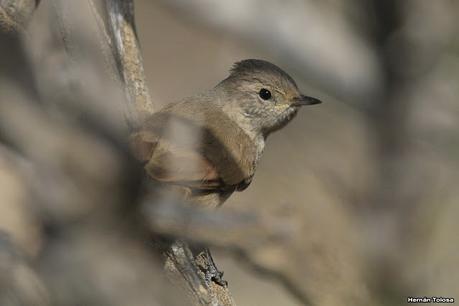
pixel 244 121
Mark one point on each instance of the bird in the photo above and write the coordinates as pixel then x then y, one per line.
pixel 203 148
pixel 207 146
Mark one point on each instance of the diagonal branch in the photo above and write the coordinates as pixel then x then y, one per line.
pixel 128 57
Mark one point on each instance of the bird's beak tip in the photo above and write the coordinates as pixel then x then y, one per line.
pixel 303 100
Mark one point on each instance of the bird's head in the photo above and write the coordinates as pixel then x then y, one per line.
pixel 263 95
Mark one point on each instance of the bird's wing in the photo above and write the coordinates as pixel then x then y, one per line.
pixel 174 160
pixel 195 149
pixel 182 166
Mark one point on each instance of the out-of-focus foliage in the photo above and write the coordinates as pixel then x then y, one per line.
pixel 354 203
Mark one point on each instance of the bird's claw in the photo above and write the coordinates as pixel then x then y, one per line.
pixel 212 274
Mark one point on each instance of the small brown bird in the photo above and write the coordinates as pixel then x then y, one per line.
pixel 207 146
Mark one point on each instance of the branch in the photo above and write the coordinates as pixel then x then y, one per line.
pixel 128 57
pixel 232 230
pixel 245 235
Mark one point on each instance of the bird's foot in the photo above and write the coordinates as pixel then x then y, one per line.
pixel 212 274
pixel 210 270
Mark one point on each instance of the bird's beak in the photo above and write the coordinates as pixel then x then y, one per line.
pixel 305 100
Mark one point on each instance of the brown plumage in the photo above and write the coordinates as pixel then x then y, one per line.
pixel 207 146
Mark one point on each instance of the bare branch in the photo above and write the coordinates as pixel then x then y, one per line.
pixel 128 56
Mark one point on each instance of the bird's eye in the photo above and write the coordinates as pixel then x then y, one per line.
pixel 264 94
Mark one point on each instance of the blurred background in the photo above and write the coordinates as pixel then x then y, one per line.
pixel 365 185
